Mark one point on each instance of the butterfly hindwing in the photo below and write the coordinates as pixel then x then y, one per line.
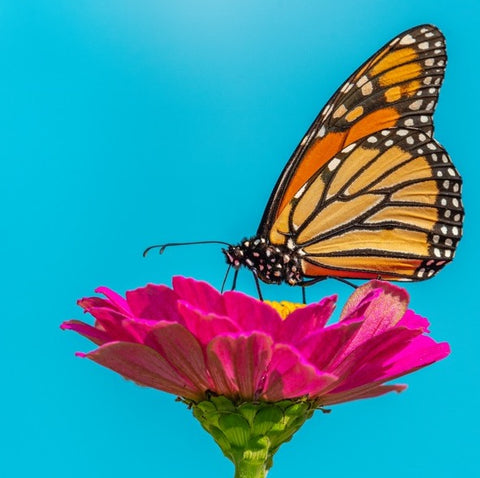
pixel 387 205
pixel 396 87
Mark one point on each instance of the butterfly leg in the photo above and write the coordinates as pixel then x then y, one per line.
pixel 306 283
pixel 345 281
pixel 225 278
pixel 257 284
pixel 309 282
pixel 234 283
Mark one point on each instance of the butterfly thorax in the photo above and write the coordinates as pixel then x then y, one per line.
pixel 271 264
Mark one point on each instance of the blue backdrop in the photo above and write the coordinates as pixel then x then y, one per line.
pixel 125 123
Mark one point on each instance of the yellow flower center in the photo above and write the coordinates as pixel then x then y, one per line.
pixel 284 308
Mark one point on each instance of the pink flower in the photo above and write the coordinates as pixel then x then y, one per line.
pixel 192 341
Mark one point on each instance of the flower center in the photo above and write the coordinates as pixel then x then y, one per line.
pixel 284 308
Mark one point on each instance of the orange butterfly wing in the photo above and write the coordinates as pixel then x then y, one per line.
pixel 368 192
pixel 398 86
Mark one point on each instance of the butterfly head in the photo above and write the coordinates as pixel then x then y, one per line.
pixel 271 264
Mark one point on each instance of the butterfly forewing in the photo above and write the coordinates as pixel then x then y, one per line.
pixel 396 87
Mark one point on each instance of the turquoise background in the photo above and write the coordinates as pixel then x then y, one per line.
pixel 128 123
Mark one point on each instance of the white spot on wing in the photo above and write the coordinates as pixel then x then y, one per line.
pixel 362 81
pixel 327 110
pixel 300 191
pixel 416 105
pixel 321 132
pixel 367 88
pixel 333 164
pixel 346 87
pixel 407 40
pixel 348 148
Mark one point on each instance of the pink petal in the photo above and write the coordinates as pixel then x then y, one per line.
pixel 413 321
pixel 139 328
pixel 144 366
pixel 419 353
pixel 154 302
pixel 390 305
pixel 182 350
pixel 251 314
pixel 422 351
pixel 199 294
pixel 97 336
pixel 366 363
pixel 307 320
pixel 88 303
pixel 356 394
pixel 383 312
pixel 324 347
pixel 291 376
pixel 392 356
pixel 115 299
pixel 205 326
pixel 115 324
pixel 360 308
pixel 238 363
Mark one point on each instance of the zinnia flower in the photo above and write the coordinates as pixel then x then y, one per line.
pixel 249 373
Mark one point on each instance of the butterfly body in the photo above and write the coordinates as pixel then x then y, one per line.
pixel 271 264
pixel 368 192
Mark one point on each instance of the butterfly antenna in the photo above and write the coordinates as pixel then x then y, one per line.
pixel 162 247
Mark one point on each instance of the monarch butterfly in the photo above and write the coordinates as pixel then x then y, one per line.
pixel 368 193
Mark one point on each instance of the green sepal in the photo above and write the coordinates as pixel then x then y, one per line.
pixel 250 433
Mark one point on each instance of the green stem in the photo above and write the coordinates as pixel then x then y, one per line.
pixel 248 469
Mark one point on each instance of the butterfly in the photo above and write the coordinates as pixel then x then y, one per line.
pixel 368 193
